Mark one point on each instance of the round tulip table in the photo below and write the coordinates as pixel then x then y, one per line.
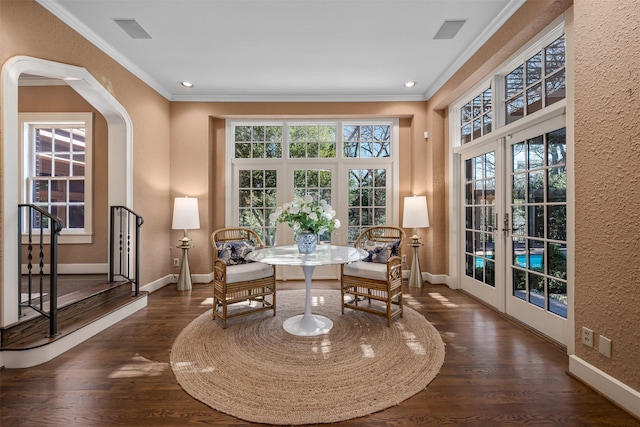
pixel 307 324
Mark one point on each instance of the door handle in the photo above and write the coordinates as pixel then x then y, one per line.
pixel 506 230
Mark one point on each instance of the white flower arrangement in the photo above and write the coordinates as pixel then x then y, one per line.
pixel 307 214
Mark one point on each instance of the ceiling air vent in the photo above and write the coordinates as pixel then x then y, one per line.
pixel 133 28
pixel 449 29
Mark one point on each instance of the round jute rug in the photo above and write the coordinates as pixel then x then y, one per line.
pixel 256 371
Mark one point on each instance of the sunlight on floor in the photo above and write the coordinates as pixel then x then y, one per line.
pixel 412 302
pixel 367 351
pixel 207 302
pixel 140 367
pixel 325 348
pixel 317 301
pixel 442 300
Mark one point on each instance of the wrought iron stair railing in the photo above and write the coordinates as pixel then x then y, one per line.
pixel 124 257
pixel 34 226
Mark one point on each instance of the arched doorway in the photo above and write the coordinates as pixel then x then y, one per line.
pixel 120 140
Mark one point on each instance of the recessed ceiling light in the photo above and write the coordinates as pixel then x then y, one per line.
pixel 186 84
pixel 410 84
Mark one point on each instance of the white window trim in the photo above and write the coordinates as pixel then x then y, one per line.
pixel 67 236
pixel 342 163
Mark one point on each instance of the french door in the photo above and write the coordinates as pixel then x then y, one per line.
pixel 513 198
pixel 537 233
pixel 481 202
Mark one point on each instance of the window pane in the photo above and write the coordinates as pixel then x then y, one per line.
pixel 513 82
pixel 555 88
pixel 534 99
pixel 519 284
pixel 534 69
pixel 76 216
pixel 486 123
pixel 76 190
pixel 486 101
pixel 364 141
pixel 519 157
pixel 557 222
pixel 465 113
pixel 514 109
pixel 465 134
pixel 557 147
pixel 536 152
pixel 557 185
pixel 558 297
pixel 536 290
pixel 536 187
pixel 59 191
pixel 40 191
pixel 555 55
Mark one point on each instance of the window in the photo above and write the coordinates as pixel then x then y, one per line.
pixel 348 164
pixel 538 82
pixel 532 81
pixel 56 169
pixel 476 117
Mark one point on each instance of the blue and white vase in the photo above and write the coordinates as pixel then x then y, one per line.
pixel 307 241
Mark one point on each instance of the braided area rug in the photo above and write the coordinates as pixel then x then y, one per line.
pixel 256 371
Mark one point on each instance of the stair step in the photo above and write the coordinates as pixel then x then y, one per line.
pixel 74 312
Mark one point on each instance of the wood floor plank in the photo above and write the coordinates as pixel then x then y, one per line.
pixel 495 373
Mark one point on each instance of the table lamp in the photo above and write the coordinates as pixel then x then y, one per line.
pixel 415 215
pixel 185 217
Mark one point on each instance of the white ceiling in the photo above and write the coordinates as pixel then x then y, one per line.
pixel 288 50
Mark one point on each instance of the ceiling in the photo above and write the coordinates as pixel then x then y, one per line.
pixel 288 50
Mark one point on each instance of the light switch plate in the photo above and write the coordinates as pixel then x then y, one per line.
pixel 604 346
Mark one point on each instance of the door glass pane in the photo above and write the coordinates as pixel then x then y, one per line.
pixel 315 183
pixel 538 212
pixel 480 218
pixel 257 198
pixel 367 200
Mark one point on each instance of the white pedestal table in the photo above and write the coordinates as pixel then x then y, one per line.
pixel 308 324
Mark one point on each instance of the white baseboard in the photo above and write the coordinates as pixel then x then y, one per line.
pixel 98 268
pixel 434 279
pixel 39 355
pixel 172 279
pixel 615 390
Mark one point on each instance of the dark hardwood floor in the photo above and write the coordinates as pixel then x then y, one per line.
pixel 495 373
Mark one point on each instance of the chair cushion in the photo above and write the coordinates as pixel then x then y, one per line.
pixel 249 271
pixel 380 252
pixel 368 270
pixel 235 252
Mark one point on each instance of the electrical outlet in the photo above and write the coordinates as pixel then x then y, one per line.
pixel 587 337
pixel 404 258
pixel 604 346
pixel 176 262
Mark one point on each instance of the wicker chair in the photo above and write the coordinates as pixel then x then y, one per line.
pixel 236 280
pixel 378 277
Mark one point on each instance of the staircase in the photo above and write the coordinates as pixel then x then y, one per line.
pixel 81 314
pixel 53 322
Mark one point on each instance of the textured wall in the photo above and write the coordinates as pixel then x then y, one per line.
pixel 28 29
pixel 607 162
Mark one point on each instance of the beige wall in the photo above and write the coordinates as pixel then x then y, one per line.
pixel 28 29
pixel 198 163
pixel 185 141
pixel 607 157
pixel 65 99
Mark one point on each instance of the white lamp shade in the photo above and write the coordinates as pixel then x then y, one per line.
pixel 185 214
pixel 415 214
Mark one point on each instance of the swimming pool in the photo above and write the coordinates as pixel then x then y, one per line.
pixel 535 261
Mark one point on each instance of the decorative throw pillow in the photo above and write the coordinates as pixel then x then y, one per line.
pixel 381 251
pixel 234 253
